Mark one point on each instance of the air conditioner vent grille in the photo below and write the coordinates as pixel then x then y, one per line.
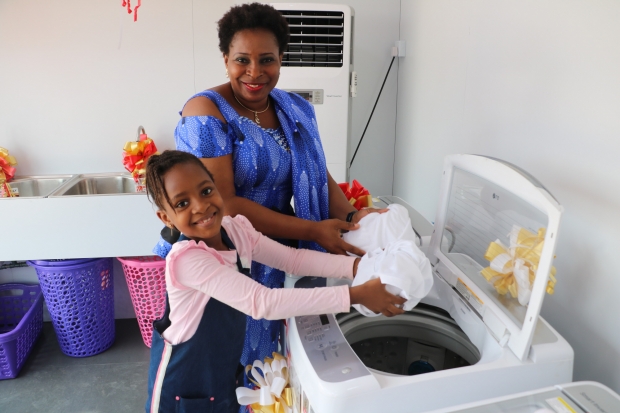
pixel 317 38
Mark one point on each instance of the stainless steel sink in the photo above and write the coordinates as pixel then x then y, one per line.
pixel 38 186
pixel 98 184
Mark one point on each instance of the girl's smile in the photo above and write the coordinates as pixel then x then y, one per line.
pixel 195 207
pixel 206 221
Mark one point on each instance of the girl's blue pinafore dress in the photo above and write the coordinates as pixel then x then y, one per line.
pixel 198 375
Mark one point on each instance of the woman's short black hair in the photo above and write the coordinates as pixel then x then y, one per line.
pixel 156 168
pixel 252 16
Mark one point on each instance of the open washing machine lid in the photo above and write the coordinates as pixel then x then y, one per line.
pixel 481 200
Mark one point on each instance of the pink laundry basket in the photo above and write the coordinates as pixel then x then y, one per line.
pixel 147 286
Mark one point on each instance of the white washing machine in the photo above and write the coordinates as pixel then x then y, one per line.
pixel 464 342
pixel 578 397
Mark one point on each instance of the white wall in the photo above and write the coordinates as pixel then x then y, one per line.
pixel 77 78
pixel 535 83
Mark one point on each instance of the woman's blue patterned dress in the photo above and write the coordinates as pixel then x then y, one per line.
pixel 269 167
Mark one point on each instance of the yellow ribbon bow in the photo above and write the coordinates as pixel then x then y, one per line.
pixel 135 154
pixel 273 393
pixel 513 269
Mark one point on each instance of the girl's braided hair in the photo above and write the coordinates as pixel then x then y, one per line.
pixel 158 165
pixel 252 16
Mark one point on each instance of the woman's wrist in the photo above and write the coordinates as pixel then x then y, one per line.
pixel 310 230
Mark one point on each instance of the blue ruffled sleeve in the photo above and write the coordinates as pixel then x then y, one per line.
pixel 162 248
pixel 203 136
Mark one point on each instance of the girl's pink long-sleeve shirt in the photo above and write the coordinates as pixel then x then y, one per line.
pixel 196 272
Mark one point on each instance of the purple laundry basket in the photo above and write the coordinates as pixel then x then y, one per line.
pixel 21 322
pixel 80 298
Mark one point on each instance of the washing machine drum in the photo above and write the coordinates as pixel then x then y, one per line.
pixel 422 340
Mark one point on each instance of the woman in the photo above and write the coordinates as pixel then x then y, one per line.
pixel 263 147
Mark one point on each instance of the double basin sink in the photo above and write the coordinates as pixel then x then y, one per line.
pixel 74 185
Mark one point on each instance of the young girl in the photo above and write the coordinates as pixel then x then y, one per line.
pixel 197 344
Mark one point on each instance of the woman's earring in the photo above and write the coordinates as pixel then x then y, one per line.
pixel 171 230
pixel 226 73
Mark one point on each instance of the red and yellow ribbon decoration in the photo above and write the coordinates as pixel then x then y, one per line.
pixel 7 171
pixel 357 195
pixel 513 269
pixel 273 393
pixel 135 155
pixel 127 3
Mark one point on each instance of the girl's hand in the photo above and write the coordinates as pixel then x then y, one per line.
pixel 373 295
pixel 327 234
pixel 365 211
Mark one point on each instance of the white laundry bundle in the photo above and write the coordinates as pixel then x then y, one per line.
pixel 377 230
pixel 402 267
pixel 392 255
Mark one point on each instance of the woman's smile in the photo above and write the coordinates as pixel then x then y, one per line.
pixel 253 87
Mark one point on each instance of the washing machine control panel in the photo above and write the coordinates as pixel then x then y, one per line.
pixel 330 354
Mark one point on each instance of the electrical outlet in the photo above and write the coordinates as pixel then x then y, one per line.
pixel 400 48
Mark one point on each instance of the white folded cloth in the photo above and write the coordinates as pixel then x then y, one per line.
pixel 377 230
pixel 402 267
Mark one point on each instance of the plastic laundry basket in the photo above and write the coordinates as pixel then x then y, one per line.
pixel 80 298
pixel 21 321
pixel 147 286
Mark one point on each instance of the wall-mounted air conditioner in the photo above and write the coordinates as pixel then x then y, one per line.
pixel 318 65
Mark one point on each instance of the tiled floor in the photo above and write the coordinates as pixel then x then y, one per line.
pixel 50 382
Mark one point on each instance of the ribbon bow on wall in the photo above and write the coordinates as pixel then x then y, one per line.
pixel 7 162
pixel 513 269
pixel 273 393
pixel 7 172
pixel 137 153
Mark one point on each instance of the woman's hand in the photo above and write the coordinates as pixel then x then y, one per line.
pixel 373 295
pixel 328 234
pixel 365 211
